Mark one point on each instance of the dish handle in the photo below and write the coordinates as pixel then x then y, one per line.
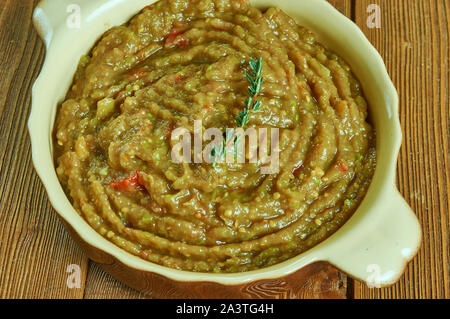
pixel 49 15
pixel 380 255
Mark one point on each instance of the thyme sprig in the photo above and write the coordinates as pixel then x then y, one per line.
pixel 255 79
pixel 251 104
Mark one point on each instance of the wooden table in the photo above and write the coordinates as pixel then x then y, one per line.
pixel 35 249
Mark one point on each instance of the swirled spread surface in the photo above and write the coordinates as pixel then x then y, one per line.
pixel 179 61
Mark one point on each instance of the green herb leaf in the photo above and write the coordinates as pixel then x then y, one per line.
pixel 251 105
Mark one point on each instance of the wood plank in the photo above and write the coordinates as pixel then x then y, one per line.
pixel 414 41
pixel 35 250
pixel 100 285
pixel 344 6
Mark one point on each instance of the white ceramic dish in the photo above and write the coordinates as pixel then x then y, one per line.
pixel 383 232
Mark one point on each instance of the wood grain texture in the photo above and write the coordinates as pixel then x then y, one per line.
pixel 101 285
pixel 35 248
pixel 344 6
pixel 414 42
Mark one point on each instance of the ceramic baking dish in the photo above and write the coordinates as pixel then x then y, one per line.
pixel 373 246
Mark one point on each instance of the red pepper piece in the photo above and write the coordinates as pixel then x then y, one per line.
pixel 178 78
pixel 172 36
pixel 342 167
pixel 175 32
pixel 131 183
pixel 182 43
pixel 171 39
